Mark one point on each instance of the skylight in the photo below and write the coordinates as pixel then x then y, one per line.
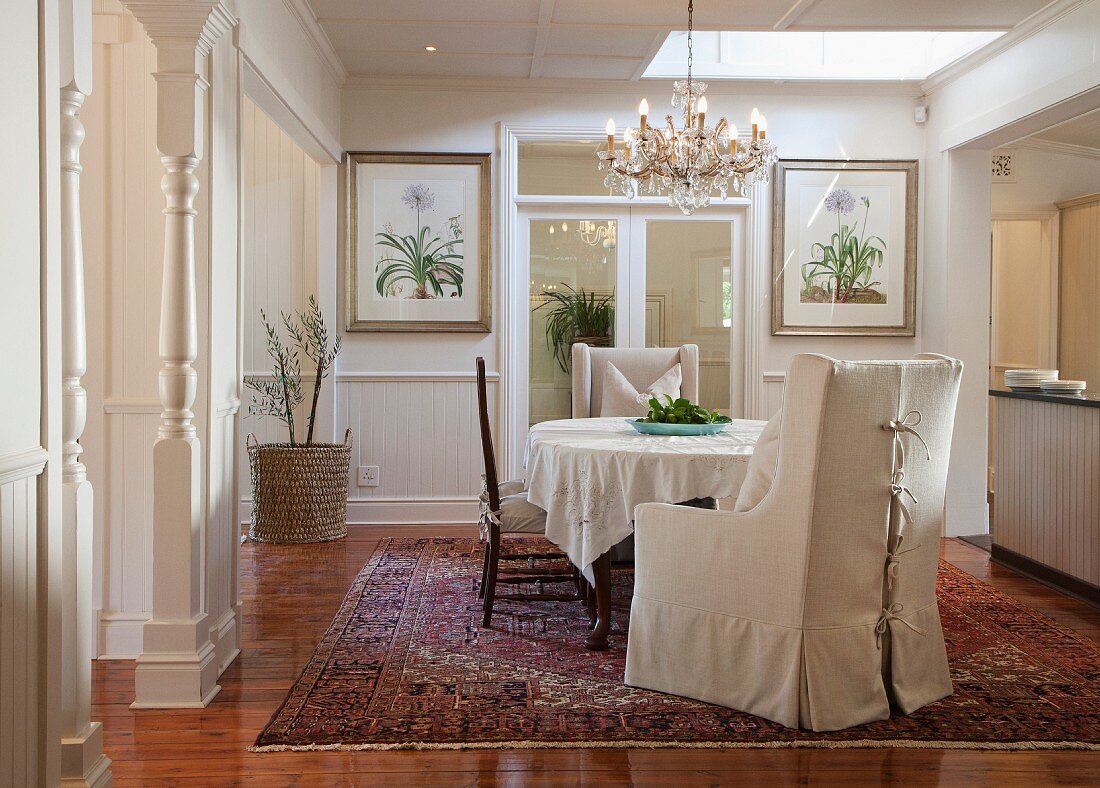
pixel 862 55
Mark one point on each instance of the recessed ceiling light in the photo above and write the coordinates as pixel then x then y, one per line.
pixel 429 48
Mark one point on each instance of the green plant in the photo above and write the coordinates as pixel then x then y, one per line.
pixel 848 261
pixel 426 262
pixel 282 393
pixel 681 411
pixel 576 313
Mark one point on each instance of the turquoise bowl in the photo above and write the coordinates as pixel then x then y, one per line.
pixel 651 428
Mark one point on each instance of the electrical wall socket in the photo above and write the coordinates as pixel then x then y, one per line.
pixel 368 475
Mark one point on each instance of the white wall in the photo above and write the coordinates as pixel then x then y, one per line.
pixel 1044 178
pixel 420 119
pixel 303 88
pixel 1048 75
pixel 21 455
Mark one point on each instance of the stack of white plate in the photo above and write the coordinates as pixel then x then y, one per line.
pixel 1063 386
pixel 1029 379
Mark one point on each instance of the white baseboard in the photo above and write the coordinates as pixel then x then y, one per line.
pixel 412 511
pixel 223 634
pixel 120 634
pixel 400 511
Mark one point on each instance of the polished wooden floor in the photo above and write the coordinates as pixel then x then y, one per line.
pixel 291 593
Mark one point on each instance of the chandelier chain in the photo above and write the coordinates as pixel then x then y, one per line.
pixel 690 27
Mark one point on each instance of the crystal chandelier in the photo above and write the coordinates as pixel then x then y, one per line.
pixel 691 163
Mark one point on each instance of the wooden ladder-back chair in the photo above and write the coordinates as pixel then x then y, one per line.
pixel 506 510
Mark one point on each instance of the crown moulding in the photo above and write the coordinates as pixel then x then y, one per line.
pixel 182 23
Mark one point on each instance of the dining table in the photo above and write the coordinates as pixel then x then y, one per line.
pixel 589 474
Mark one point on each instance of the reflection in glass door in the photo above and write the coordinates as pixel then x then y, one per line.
pixel 573 298
pixel 689 297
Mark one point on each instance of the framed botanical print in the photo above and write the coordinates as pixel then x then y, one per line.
pixel 418 242
pixel 844 248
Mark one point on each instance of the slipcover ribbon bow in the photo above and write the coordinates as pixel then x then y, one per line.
pixel 486 517
pixel 907 423
pixel 898 491
pixel 892 613
pixel 893 561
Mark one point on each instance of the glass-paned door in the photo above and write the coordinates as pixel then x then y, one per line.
pixel 574 294
pixel 689 289
pixel 628 277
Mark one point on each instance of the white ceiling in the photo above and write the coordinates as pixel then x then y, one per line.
pixel 599 39
pixel 1082 131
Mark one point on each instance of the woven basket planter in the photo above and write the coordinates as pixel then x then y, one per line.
pixel 299 493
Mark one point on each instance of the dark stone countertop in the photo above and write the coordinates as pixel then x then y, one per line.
pixel 1088 399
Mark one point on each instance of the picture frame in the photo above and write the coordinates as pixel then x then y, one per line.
pixel 844 248
pixel 418 253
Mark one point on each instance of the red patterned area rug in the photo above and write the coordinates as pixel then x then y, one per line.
pixel 405 665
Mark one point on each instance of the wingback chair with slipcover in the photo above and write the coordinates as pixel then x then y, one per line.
pixel 816 607
pixel 640 366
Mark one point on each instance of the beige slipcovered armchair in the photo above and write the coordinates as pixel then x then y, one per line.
pixel 640 366
pixel 816 607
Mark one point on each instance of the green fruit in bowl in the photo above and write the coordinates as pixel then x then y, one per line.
pixel 681 411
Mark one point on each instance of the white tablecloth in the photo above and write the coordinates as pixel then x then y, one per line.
pixel 589 474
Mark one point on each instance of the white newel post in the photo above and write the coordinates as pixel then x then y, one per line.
pixel 82 758
pixel 177 666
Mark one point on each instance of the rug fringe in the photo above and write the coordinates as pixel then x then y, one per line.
pixel 884 744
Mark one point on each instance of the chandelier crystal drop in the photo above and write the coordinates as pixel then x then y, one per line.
pixel 691 163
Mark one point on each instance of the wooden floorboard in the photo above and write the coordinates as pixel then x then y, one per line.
pixel 290 594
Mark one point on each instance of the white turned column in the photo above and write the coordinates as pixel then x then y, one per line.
pixel 82 758
pixel 177 666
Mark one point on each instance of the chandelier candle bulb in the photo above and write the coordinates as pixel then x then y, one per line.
pixel 702 112
pixel 763 127
pixel 610 135
pixel 643 112
pixel 755 120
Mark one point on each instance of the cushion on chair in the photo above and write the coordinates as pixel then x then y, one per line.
pixel 512 487
pixel 762 465
pixel 520 516
pixel 620 398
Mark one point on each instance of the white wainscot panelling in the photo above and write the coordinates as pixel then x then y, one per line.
pixel 223 536
pixel 279 228
pixel 130 432
pixel 19 615
pixel 772 385
pixel 421 430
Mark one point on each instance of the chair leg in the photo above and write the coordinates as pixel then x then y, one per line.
pixel 484 572
pixel 491 576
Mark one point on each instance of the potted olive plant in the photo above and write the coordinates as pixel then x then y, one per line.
pixel 299 490
pixel 576 316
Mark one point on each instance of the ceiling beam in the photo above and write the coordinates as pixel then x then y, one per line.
pixel 794 13
pixel 1062 148
pixel 654 47
pixel 542 37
